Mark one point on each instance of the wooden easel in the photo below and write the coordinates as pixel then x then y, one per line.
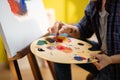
pixel 33 64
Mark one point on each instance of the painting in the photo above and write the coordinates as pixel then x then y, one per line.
pixel 18 7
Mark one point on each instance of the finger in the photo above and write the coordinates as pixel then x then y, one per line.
pixel 63 29
pixel 53 28
pixel 49 30
pixel 60 28
pixel 97 65
pixel 57 27
pixel 98 56
pixel 66 29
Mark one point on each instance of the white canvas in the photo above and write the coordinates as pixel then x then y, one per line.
pixel 17 32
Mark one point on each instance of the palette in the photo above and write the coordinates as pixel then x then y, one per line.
pixel 63 50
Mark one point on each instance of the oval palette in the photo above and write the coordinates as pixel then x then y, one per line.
pixel 63 50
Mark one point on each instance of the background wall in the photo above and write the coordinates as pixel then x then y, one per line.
pixel 69 11
pixel 3 58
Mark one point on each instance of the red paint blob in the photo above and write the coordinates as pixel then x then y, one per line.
pixel 64 49
pixel 58 39
pixel 83 58
pixel 60 47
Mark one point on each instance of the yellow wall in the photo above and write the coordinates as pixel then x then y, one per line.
pixel 69 11
pixel 3 57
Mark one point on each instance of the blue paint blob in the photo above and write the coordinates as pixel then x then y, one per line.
pixel 50 40
pixel 78 58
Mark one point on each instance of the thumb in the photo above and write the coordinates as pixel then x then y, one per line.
pixel 97 65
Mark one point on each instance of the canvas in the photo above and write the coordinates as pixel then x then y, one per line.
pixel 21 23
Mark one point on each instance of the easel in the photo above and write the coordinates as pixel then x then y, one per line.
pixel 18 32
pixel 33 64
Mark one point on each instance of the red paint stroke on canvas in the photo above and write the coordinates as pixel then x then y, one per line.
pixel 18 8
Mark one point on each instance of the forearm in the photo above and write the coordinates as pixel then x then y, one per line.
pixel 115 59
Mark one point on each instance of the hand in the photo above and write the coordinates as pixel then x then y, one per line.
pixel 59 28
pixel 103 60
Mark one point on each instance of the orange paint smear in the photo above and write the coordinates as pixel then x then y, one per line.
pixel 67 50
pixel 64 49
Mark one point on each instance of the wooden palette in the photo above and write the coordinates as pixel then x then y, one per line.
pixel 63 50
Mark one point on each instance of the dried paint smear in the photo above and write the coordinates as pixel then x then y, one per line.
pixel 41 42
